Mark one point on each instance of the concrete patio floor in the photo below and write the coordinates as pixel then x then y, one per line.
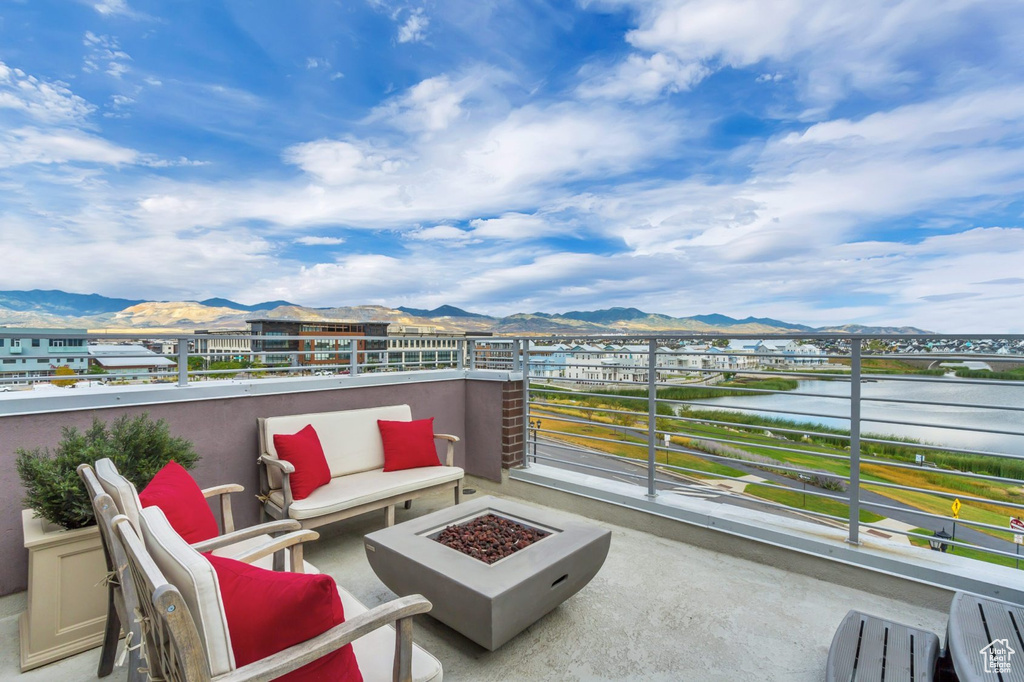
pixel 658 610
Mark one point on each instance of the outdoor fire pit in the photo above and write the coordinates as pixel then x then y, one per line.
pixel 489 537
pixel 530 561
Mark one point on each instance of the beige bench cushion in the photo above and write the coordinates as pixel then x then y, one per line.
pixel 365 487
pixel 375 652
pixel 350 438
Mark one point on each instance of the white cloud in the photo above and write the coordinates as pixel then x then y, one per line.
pixel 105 54
pixel 110 7
pixel 40 100
pixel 446 233
pixel 642 79
pixel 832 46
pixel 320 241
pixel 30 145
pixel 512 226
pixel 335 162
pixel 415 27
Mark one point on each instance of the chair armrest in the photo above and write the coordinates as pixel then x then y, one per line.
pixel 399 611
pixel 452 440
pixel 227 519
pixel 286 469
pixel 291 540
pixel 269 528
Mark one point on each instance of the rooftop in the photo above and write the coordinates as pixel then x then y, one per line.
pixel 659 609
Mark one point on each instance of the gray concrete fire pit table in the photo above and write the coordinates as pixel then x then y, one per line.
pixel 488 603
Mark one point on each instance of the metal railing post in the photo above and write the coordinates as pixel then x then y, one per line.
pixel 854 489
pixel 526 406
pixel 471 353
pixel 183 362
pixel 652 411
pixel 353 360
pixel 460 348
pixel 517 359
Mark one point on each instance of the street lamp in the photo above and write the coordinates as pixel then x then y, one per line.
pixel 534 425
pixel 938 543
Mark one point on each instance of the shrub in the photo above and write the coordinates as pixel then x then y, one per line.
pixel 138 446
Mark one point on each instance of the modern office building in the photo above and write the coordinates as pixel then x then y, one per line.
pixel 329 343
pixel 217 346
pixel 422 347
pixel 28 352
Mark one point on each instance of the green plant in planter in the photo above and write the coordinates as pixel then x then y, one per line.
pixel 138 446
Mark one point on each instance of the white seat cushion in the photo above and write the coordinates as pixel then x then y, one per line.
pixel 267 562
pixel 375 652
pixel 196 580
pixel 353 490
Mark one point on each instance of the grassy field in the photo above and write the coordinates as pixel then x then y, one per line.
pixel 966 551
pixel 797 500
pixel 751 438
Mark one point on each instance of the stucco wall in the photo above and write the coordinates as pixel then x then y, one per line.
pixel 224 433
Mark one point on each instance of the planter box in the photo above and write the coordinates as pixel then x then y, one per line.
pixel 67 600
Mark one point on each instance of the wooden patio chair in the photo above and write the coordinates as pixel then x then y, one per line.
pixel 184 627
pixel 122 600
pixel 255 545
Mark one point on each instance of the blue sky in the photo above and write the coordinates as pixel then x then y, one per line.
pixel 817 161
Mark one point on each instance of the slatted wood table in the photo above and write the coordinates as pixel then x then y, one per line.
pixel 872 649
pixel 985 639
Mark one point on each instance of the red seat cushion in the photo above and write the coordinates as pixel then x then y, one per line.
pixel 408 445
pixel 182 502
pixel 269 611
pixel 304 452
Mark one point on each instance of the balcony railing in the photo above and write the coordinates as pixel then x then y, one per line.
pixel 900 435
pixel 874 433
pixel 185 358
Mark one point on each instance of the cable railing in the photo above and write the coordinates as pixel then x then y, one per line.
pixel 891 434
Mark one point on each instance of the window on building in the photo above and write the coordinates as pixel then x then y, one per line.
pixel 35 343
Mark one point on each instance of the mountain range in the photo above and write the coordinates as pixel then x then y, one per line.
pixel 54 308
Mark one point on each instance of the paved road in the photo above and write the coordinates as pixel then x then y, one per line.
pixel 576 459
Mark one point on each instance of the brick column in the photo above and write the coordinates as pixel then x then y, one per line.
pixel 512 415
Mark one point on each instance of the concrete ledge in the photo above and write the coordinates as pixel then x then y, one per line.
pixel 99 397
pixel 877 566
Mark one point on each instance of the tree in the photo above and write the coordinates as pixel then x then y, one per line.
pixel 64 371
pixel 720 343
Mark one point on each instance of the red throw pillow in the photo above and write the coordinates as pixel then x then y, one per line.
pixel 182 502
pixel 269 611
pixel 304 452
pixel 408 445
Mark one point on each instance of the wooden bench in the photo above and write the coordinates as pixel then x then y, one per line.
pixel 355 454
pixel 870 649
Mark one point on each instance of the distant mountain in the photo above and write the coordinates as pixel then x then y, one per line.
pixel 62 303
pixel 609 315
pixel 60 309
pixel 861 329
pixel 226 303
pixel 718 320
pixel 442 311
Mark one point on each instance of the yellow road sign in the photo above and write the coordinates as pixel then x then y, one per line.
pixel 956 508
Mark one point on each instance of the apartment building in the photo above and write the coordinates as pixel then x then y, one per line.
pixel 28 352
